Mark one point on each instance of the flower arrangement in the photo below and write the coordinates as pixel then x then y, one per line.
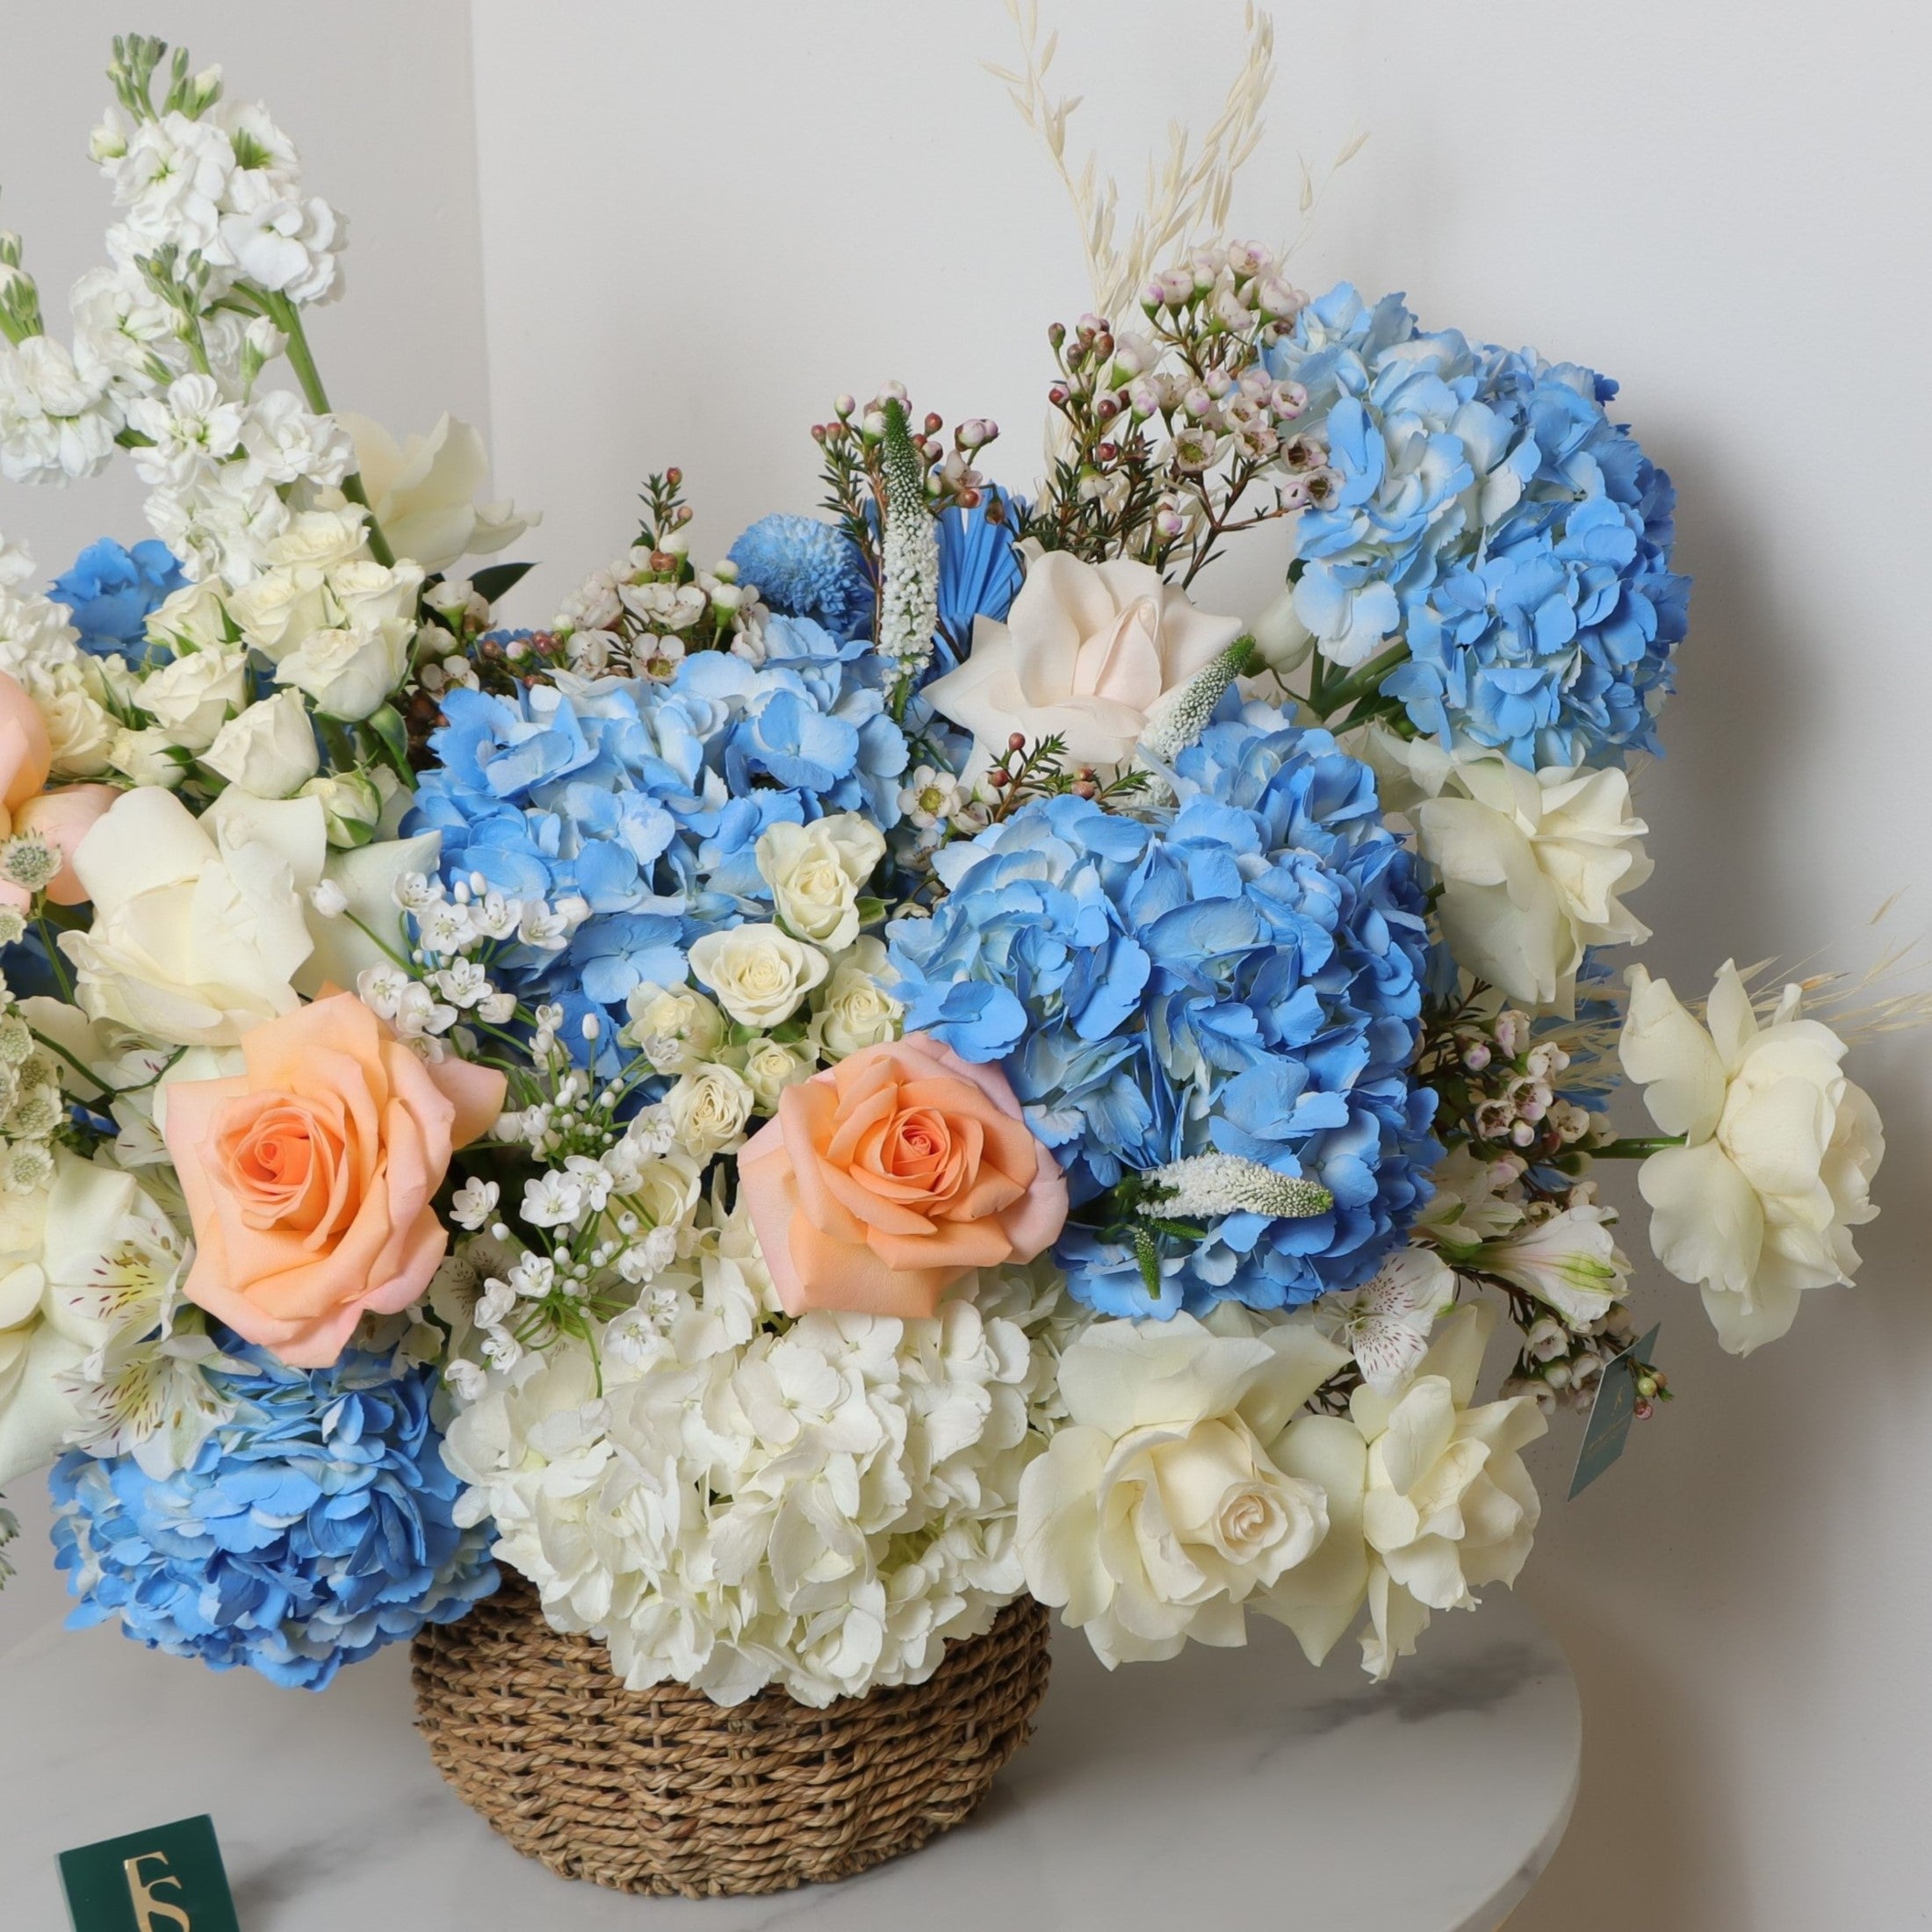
pixel 800 1101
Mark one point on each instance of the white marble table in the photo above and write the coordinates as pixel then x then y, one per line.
pixel 1226 1788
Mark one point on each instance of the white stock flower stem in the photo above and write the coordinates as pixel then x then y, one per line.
pixel 288 318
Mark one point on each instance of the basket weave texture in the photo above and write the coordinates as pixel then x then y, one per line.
pixel 663 1791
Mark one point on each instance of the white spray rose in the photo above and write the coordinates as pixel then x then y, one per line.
pixel 1087 652
pixel 770 1066
pixel 1159 1510
pixel 191 619
pixel 80 730
pixel 673 1027
pixel 350 801
pixel 350 673
pixel 1780 1149
pixel 269 750
pixel 1532 864
pixel 854 1010
pixel 817 872
pixel 708 1108
pixel 759 973
pixel 147 757
pixel 192 697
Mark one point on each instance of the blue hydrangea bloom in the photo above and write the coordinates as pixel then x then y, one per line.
pixel 109 591
pixel 315 1527
pixel 1242 975
pixel 979 570
pixel 647 800
pixel 806 568
pixel 1491 514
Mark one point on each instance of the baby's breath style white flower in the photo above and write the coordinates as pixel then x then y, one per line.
pixel 381 989
pixel 473 1203
pixel 552 1200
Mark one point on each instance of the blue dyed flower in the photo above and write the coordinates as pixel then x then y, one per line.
pixel 979 570
pixel 1242 975
pixel 647 800
pixel 1490 515
pixel 315 1526
pixel 806 568
pixel 110 590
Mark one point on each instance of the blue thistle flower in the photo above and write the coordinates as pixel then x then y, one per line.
pixel 806 568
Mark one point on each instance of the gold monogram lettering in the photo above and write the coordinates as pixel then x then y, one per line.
pixel 150 1912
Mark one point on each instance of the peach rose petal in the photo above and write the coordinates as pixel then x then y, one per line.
pixel 308 1178
pixel 27 752
pixel 886 1179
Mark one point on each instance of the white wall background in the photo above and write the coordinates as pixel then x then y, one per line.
pixel 699 223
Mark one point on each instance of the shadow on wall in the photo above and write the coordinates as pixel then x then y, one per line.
pixel 1701 1568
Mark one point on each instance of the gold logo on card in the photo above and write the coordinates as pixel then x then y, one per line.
pixel 151 1913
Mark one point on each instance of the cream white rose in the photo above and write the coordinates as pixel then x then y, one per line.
pixel 269 750
pixel 708 1108
pixel 673 1026
pixel 1780 1149
pixel 817 872
pixel 770 1066
pixel 80 730
pixel 1427 1497
pixel 350 673
pixel 1088 652
pixel 203 927
pixel 759 973
pixel 853 1009
pixel 191 619
pixel 147 757
pixel 1158 1510
pixel 1531 865
pixel 193 696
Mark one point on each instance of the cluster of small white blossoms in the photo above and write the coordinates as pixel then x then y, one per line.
pixel 217 249
pixel 642 615
pixel 445 979
pixel 32 1108
pixel 1562 1367
pixel 40 650
pixel 1521 1108
pixel 731 1500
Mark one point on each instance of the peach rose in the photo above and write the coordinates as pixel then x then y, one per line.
pixel 27 752
pixel 884 1179
pixel 309 1177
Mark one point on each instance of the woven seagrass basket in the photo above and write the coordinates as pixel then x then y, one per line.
pixel 662 1790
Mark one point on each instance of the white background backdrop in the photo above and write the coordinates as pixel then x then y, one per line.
pixel 627 234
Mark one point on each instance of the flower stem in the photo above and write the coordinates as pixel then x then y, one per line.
pixel 1325 699
pixel 1634 1147
pixel 287 318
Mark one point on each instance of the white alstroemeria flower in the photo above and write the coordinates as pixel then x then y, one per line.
pixel 1470 1204
pixel 1088 652
pixel 1780 1149
pixel 423 491
pixel 1160 1508
pixel 1385 1323
pixel 1569 1261
pixel 1531 865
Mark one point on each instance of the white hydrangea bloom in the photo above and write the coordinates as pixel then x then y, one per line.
pixel 822 1508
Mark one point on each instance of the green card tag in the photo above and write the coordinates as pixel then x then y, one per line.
pixel 1610 1415
pixel 169 1879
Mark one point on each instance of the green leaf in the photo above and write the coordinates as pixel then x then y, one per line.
pixel 392 735
pixel 496 580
